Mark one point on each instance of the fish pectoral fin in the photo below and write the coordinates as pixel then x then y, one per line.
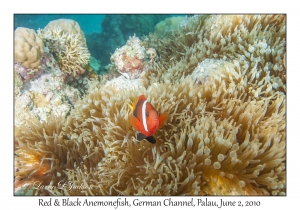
pixel 162 119
pixel 140 137
pixel 131 107
pixel 151 139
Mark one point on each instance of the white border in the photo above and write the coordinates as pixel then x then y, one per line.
pixel 8 201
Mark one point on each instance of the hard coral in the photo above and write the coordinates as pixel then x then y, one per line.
pixel 65 39
pixel 132 59
pixel 18 82
pixel 27 73
pixel 29 48
pixel 48 94
pixel 68 26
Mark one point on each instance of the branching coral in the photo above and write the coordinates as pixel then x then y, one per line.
pixel 29 48
pixel 225 134
pixel 68 44
pixel 68 26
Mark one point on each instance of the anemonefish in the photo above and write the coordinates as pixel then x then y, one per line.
pixel 145 119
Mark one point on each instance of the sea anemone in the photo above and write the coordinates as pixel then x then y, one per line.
pixel 205 143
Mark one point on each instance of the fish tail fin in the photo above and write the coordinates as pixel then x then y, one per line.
pixel 141 136
pixel 151 139
pixel 162 119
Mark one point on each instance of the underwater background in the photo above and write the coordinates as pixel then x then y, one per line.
pixel 101 31
pixel 90 23
pixel 220 79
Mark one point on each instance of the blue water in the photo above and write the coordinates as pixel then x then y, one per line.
pixel 103 33
pixel 88 23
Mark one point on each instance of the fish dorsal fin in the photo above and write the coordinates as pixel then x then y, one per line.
pixel 137 108
pixel 140 136
pixel 151 139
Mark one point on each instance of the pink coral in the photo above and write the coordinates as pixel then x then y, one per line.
pixel 27 73
pixel 131 64
pixel 133 58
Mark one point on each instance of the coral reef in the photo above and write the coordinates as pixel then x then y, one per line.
pixel 132 59
pixel 81 83
pixel 115 31
pixel 44 96
pixel 226 131
pixel 29 48
pixel 67 42
pixel 67 26
pixel 95 64
pixel 18 83
pixel 28 73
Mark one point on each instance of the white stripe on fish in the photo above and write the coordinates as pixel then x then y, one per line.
pixel 144 115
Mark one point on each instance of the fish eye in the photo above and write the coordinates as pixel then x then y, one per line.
pixel 147 114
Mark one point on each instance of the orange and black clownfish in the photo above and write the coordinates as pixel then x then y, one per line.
pixel 145 119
